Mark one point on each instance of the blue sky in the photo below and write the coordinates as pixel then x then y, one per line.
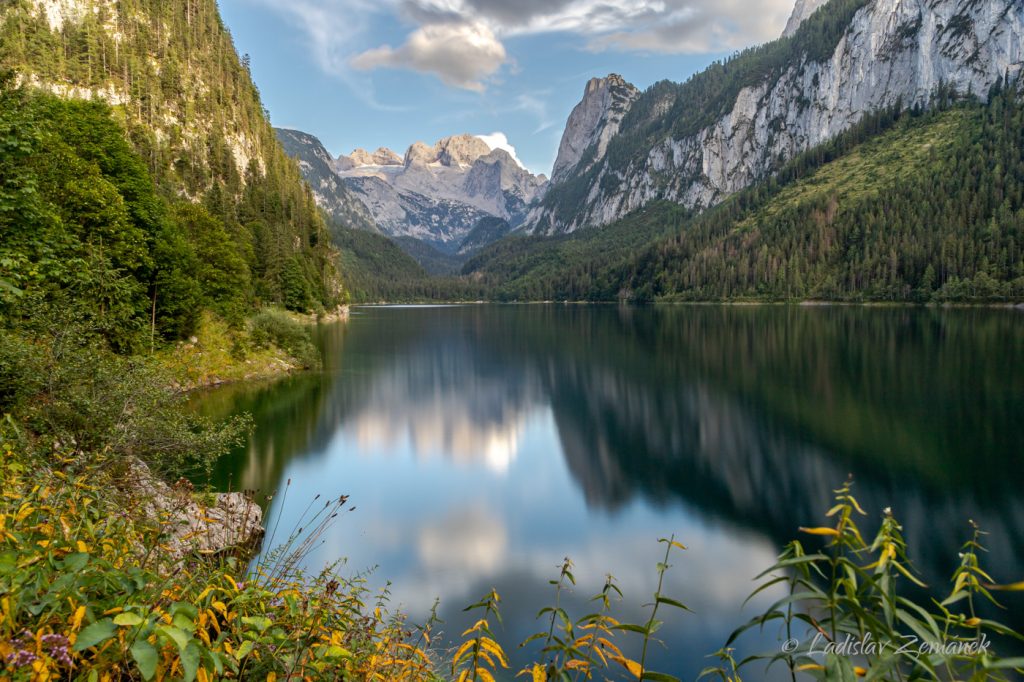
pixel 371 73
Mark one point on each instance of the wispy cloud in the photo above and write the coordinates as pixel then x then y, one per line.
pixel 330 26
pixel 462 42
pixel 535 104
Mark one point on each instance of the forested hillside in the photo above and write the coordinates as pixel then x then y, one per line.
pixel 919 206
pixel 136 124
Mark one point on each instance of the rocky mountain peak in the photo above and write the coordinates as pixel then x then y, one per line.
pixel 457 151
pixel 437 194
pixel 360 157
pixel 802 11
pixel 594 121
pixel 868 57
pixel 420 154
pixel 461 150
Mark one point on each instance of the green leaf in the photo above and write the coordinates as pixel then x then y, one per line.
pixel 672 602
pixel 95 634
pixel 190 658
pixel 128 619
pixel 146 658
pixel 629 627
pixel 839 670
pixel 261 623
pixel 179 637
pixel 74 563
pixel 659 677
pixel 243 650
pixel 184 623
pixel 190 611
pixel 337 652
pixel 1006 664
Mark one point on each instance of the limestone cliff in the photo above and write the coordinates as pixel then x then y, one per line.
pixel 697 143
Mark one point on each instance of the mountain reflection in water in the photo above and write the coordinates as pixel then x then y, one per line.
pixel 482 444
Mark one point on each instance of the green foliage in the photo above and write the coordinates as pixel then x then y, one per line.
pixel 195 128
pixel 64 388
pixel 276 328
pixel 373 265
pixel 851 591
pixel 915 208
pixel 570 267
pixel 83 225
pixel 77 213
pixel 220 270
pixel 295 287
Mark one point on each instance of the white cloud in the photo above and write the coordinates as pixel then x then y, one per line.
pixel 666 26
pixel 499 140
pixel 462 41
pixel 461 55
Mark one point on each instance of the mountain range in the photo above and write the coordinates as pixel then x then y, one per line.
pixel 442 202
pixel 729 129
pixel 712 188
pixel 740 121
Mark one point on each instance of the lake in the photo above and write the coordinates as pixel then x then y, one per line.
pixel 483 444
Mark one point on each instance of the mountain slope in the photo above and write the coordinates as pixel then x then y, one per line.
pixel 331 194
pixel 900 208
pixel 697 143
pixel 232 222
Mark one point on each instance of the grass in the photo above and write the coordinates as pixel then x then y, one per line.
pixel 872 166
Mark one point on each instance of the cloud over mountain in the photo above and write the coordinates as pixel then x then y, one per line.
pixel 460 54
pixel 463 42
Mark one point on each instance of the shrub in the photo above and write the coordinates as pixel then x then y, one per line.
pixel 276 327
pixel 64 388
pixel 84 595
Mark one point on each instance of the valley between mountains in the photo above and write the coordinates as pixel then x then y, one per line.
pixel 181 282
pixel 691 191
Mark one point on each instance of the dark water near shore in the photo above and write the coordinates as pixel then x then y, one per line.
pixel 483 444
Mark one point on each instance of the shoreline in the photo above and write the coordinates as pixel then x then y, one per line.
pixel 208 361
pixel 810 303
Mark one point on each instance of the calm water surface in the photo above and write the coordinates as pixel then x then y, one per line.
pixel 483 444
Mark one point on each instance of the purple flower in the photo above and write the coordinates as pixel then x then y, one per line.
pixel 57 648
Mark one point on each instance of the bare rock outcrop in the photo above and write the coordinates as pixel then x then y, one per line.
pixel 230 522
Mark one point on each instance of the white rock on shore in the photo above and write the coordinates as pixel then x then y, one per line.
pixel 232 523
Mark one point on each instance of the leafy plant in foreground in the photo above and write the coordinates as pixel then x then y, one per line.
pixel 480 655
pixel 848 594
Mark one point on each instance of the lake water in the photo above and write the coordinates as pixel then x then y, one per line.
pixel 483 444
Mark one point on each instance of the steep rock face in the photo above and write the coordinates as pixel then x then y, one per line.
pixel 801 12
pixel 330 192
pixel 892 52
pixel 593 123
pixel 440 222
pixel 501 186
